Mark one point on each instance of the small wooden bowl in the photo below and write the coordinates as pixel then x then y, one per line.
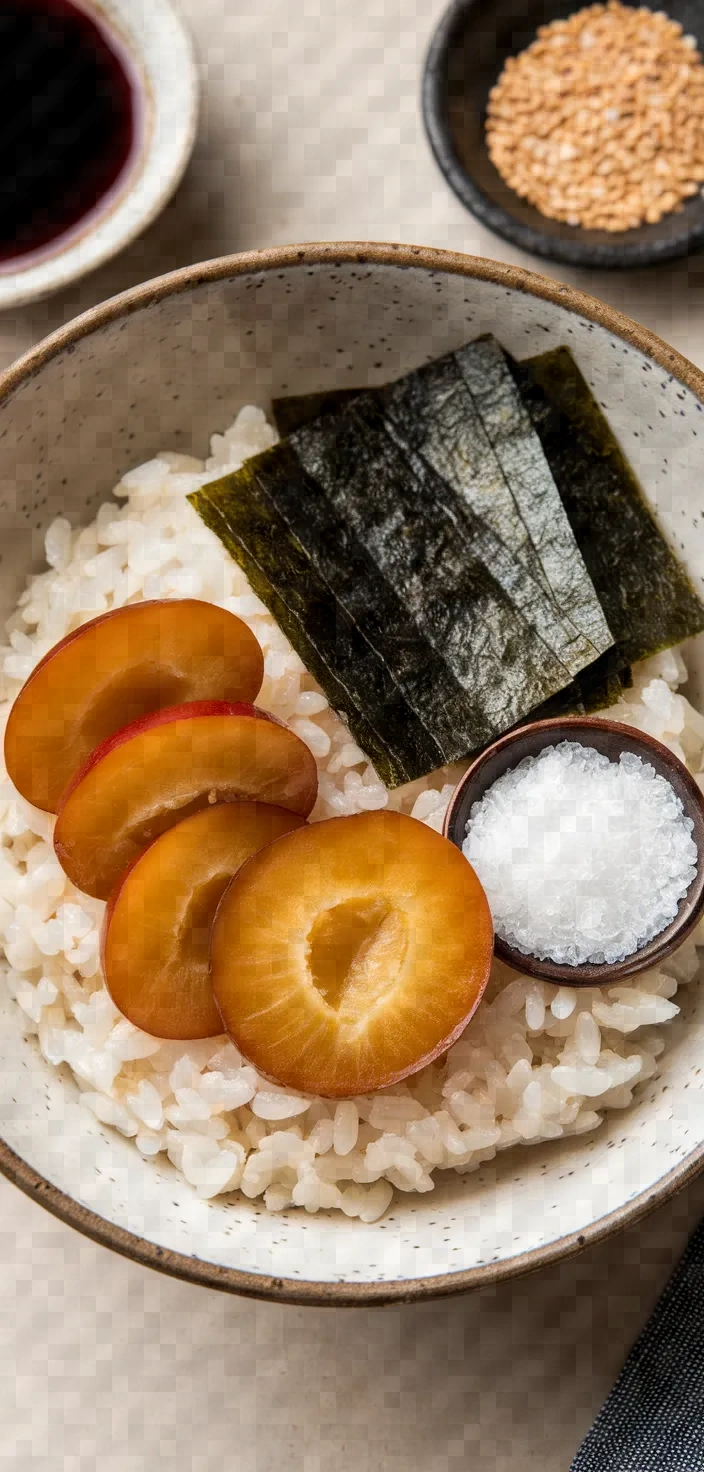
pixel 610 738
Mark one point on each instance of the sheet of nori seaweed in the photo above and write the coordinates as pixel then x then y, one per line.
pixel 598 490
pixel 519 451
pixel 439 561
pixel 432 414
pixel 368 599
pixel 598 685
pixel 298 409
pixel 355 680
pixel 646 595
pixel 437 417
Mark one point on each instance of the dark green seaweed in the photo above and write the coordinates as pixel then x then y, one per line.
pixel 412 544
pixel 647 598
pixel 595 688
pixel 519 452
pixel 390 598
pixel 297 410
pixel 598 685
pixel 440 562
pixel 368 600
pixel 356 682
pixel 433 414
pixel 463 414
pixel 446 413
pixel 292 413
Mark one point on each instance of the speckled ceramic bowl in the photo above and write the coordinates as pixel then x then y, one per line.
pixel 159 57
pixel 166 365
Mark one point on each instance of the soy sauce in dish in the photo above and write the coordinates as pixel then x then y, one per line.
pixel 68 121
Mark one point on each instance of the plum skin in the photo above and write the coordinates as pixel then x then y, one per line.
pixel 116 668
pixel 173 763
pixel 155 963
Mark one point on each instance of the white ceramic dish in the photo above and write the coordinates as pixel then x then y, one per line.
pixel 160 53
pixel 166 365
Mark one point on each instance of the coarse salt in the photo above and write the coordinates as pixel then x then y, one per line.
pixel 582 859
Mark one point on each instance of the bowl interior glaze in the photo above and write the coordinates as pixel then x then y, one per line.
pixel 165 366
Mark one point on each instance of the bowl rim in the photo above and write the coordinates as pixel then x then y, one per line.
pixel 574 252
pixel 558 729
pixel 273 259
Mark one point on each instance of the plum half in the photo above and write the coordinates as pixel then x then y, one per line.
pixel 115 669
pixel 158 770
pixel 347 955
pixel 156 932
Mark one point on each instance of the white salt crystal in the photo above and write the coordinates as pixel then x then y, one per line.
pixel 582 859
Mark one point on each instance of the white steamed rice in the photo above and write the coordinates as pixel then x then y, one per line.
pixel 537 1062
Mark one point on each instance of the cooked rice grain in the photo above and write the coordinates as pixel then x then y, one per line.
pixel 538 1062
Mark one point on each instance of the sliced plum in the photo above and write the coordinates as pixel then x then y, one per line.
pixel 119 667
pixel 160 769
pixel 156 933
pixel 349 954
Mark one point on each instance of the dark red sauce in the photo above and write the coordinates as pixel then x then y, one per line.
pixel 68 121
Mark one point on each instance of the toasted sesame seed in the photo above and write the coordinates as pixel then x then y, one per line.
pixel 600 122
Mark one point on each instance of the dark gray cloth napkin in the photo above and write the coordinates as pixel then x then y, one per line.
pixel 653 1420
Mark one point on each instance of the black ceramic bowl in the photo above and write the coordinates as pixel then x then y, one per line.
pixel 466 56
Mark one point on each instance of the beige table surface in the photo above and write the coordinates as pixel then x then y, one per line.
pixel 311 130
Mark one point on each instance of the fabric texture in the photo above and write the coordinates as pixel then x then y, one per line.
pixel 653 1420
